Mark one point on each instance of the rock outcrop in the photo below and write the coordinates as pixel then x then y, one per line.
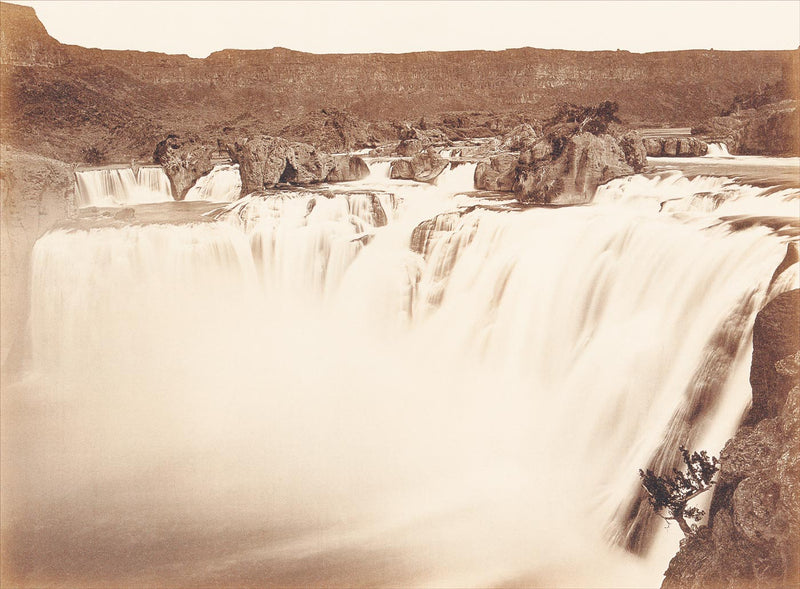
pixel 496 173
pixel 567 169
pixel 266 161
pixel 347 168
pixel 423 167
pixel 675 147
pixel 753 537
pixel 772 129
pixel 184 160
pixel 519 137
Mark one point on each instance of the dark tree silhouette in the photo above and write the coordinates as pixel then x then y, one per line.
pixel 592 119
pixel 673 493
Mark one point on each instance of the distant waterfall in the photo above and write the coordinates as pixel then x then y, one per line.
pixel 110 187
pixel 381 375
pixel 718 150
pixel 222 184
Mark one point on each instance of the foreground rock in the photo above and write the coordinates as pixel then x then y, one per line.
pixel 675 147
pixel 753 538
pixel 423 167
pixel 184 160
pixel 567 169
pixel 36 192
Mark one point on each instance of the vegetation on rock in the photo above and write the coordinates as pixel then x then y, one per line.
pixel 673 493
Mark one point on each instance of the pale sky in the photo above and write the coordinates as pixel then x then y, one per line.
pixel 199 28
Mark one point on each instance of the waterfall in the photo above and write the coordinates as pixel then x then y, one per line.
pixel 382 381
pixel 718 150
pixel 222 184
pixel 111 187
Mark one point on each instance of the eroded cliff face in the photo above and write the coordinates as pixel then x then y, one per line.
pixel 753 538
pixel 131 99
pixel 35 193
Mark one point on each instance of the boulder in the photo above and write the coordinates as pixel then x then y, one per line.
pixel 266 161
pixel 496 173
pixel 184 159
pixel 347 168
pixel 572 170
pixel 423 167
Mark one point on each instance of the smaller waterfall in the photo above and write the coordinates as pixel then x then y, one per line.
pixel 674 192
pixel 457 178
pixel 718 150
pixel 113 187
pixel 222 184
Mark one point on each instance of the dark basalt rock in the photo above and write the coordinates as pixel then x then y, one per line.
pixel 184 159
pixel 265 162
pixel 776 335
pixel 753 538
pixel 567 169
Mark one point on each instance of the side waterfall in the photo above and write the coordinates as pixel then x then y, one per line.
pixel 110 187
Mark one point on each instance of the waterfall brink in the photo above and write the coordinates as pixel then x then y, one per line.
pixel 111 187
pixel 222 184
pixel 371 383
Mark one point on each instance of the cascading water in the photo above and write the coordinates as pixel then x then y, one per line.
pixel 111 187
pixel 222 184
pixel 718 150
pixel 289 394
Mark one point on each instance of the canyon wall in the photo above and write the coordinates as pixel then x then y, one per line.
pixel 51 89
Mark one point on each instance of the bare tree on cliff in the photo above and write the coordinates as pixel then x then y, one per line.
pixel 673 493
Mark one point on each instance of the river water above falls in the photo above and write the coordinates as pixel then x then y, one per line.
pixel 289 394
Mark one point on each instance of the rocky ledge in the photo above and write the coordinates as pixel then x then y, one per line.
pixel 568 162
pixel 752 540
pixel 264 162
